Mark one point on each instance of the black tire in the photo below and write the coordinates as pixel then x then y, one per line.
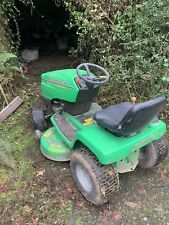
pixel 152 154
pixel 46 106
pixel 162 149
pixel 38 119
pixel 104 180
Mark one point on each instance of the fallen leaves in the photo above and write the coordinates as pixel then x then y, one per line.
pixel 152 199
pixel 117 215
pixel 2 182
pixel 133 205
pixel 35 221
pixel 40 173
pixel 163 175
pixel 108 215
pixel 141 190
pixel 26 209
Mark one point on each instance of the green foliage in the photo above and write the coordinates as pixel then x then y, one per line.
pixel 4 43
pixel 11 77
pixel 8 14
pixel 4 59
pixel 130 38
pixel 10 73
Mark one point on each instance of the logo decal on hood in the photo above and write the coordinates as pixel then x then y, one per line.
pixel 59 83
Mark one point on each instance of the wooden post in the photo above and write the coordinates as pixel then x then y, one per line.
pixel 2 91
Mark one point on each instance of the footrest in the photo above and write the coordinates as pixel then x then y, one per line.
pixel 65 126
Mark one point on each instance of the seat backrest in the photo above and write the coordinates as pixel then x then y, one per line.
pixel 140 115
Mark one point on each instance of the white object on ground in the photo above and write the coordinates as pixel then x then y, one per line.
pixel 29 55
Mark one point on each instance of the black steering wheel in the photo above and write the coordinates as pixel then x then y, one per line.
pixel 91 78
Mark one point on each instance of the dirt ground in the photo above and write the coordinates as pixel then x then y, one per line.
pixel 51 62
pixel 37 191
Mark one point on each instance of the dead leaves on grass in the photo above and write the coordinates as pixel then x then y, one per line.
pixel 133 205
pixel 2 182
pixel 141 191
pixel 163 174
pixel 109 215
pixel 117 215
pixel 40 173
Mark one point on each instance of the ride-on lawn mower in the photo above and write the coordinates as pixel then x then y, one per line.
pixel 100 143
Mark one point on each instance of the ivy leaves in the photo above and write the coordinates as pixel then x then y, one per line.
pixel 130 38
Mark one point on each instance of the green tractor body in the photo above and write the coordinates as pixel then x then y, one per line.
pixel 53 86
pixel 58 143
pixel 120 136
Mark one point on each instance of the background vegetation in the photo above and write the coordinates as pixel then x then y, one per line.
pixel 129 37
pixel 4 44
pixel 10 73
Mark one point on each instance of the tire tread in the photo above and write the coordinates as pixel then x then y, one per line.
pixel 106 176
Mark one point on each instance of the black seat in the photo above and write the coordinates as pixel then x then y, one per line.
pixel 126 118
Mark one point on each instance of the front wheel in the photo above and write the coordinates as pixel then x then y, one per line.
pixel 152 154
pixel 38 119
pixel 95 181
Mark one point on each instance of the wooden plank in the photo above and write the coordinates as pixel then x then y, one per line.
pixel 9 109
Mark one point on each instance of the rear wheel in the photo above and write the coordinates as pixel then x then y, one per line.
pixel 95 181
pixel 152 154
pixel 162 149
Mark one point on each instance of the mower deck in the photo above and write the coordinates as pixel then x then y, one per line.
pixel 53 147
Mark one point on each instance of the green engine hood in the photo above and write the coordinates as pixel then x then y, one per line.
pixel 60 84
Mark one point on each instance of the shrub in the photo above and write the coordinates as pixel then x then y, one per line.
pixel 129 38
pixel 11 78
